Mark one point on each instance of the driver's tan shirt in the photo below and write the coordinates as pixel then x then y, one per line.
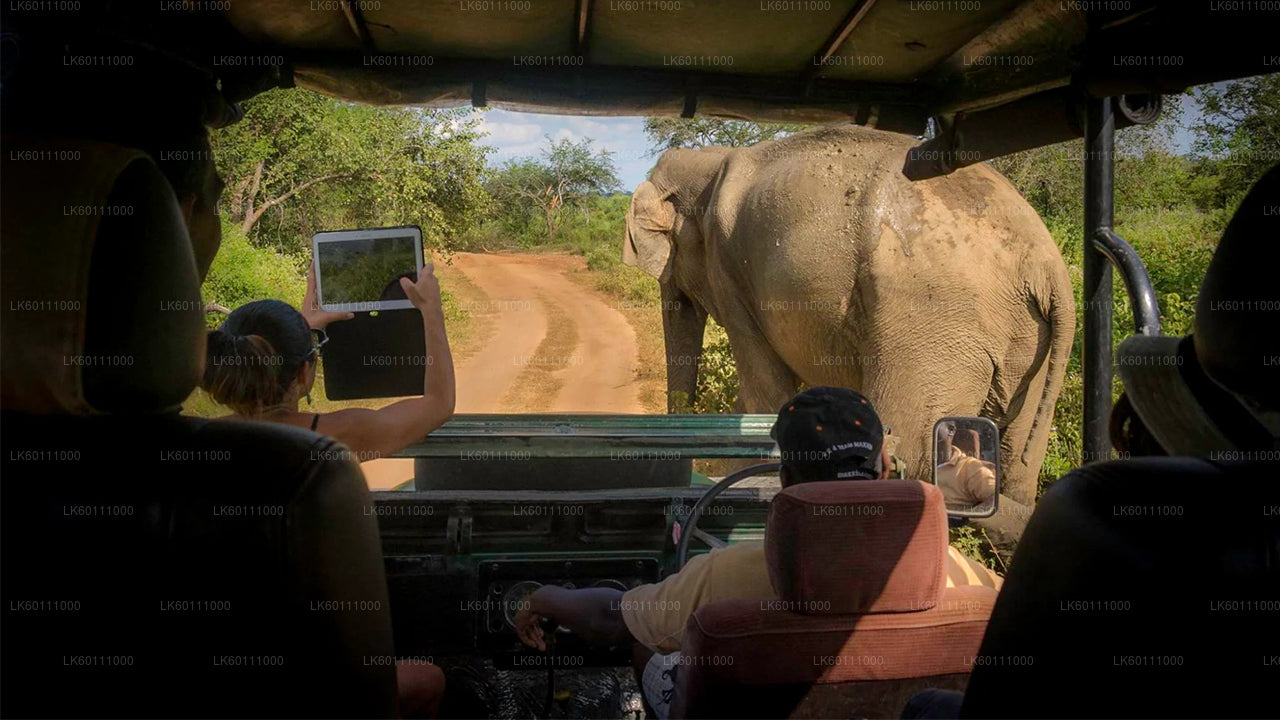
pixel 656 614
pixel 965 481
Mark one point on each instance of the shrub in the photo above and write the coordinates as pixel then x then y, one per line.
pixel 242 272
pixel 717 373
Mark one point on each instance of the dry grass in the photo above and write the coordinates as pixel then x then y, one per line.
pixel 542 378
pixel 470 330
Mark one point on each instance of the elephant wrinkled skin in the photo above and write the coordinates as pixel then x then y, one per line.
pixel 826 266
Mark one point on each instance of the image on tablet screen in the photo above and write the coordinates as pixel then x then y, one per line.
pixel 366 270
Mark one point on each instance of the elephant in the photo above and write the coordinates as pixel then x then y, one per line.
pixel 826 266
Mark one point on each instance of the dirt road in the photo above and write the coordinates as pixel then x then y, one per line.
pixel 550 332
pixel 549 345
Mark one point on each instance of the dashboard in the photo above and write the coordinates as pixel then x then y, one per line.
pixel 460 564
pixel 507 585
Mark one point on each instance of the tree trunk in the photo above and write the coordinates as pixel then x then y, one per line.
pixel 551 225
pixel 245 223
pixel 552 206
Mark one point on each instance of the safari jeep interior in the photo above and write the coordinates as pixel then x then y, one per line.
pixel 132 550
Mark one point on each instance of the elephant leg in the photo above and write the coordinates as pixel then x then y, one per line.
pixel 764 380
pixel 1015 394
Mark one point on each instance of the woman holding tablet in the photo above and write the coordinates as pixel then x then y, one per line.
pixel 262 361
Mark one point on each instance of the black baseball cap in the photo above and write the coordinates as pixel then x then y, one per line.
pixel 829 433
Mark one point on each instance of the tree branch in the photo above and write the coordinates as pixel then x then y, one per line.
pixel 252 218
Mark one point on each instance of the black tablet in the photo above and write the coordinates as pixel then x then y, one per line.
pixel 381 351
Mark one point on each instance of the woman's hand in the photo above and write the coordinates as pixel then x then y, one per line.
pixel 424 294
pixel 318 318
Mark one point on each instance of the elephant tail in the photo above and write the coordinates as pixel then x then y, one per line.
pixel 1057 305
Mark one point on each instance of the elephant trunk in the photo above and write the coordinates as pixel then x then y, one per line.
pixel 683 324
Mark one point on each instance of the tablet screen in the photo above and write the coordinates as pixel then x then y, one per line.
pixel 365 270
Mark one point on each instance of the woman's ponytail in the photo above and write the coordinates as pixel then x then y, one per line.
pixel 255 357
pixel 242 372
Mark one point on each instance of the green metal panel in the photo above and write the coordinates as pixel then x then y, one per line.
pixel 602 436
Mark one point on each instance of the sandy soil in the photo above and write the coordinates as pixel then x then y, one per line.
pixel 551 345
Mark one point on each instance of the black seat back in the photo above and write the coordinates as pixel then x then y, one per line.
pixel 1141 588
pixel 156 565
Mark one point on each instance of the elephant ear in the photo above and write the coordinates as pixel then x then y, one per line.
pixel 649 222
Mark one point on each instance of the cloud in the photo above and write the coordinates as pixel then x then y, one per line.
pixel 510 133
pixel 592 128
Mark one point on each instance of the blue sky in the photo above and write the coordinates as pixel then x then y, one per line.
pixel 517 134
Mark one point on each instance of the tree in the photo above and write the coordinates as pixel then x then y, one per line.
pixel 1238 135
pixel 567 174
pixel 666 133
pixel 338 164
pixel 269 156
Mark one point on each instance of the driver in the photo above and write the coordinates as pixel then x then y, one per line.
pixel 823 433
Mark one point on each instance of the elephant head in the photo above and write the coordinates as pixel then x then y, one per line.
pixel 665 237
pixel 651 220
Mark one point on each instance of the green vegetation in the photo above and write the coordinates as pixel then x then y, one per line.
pixel 717 375
pixel 243 273
pixel 300 162
pixel 974 542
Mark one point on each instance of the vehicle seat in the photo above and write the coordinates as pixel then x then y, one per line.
pixel 863 621
pixel 153 564
pixel 1142 588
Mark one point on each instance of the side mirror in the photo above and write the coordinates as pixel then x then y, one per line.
pixel 966 465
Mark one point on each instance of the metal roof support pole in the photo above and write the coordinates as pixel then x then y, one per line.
pixel 1099 142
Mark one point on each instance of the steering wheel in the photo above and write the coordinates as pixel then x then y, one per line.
pixel 690 526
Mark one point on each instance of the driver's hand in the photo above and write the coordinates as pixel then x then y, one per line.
pixel 317 318
pixel 529 628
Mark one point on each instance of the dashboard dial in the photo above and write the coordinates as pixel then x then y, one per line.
pixel 516 598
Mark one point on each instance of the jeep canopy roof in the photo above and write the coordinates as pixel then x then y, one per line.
pixel 1020 66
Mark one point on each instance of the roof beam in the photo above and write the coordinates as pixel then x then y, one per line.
pixel 581 28
pixel 355 19
pixel 833 43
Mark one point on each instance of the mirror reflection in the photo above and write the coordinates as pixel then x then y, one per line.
pixel 966 464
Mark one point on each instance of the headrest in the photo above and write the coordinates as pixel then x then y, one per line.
pixel 1235 338
pixel 858 546
pixel 101 301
